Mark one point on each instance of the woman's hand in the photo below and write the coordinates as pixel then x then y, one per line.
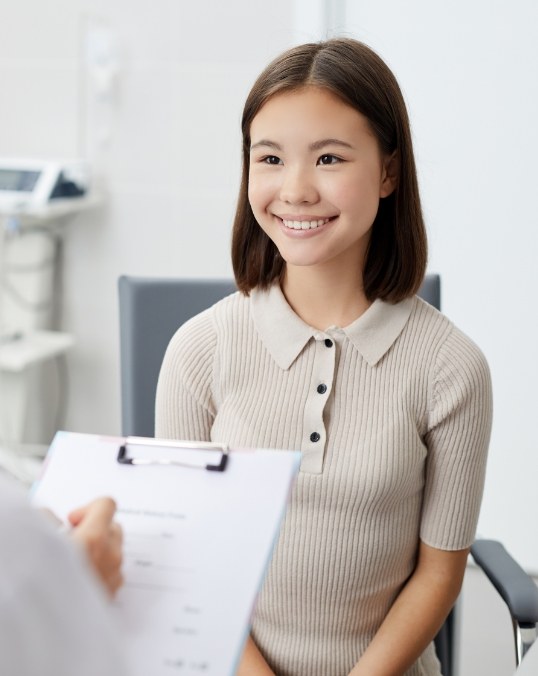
pixel 252 662
pixel 101 538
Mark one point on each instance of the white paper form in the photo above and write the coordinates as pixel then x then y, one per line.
pixel 196 543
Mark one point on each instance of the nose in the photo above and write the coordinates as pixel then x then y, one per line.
pixel 298 186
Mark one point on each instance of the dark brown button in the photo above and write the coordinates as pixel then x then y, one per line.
pixel 328 342
pixel 314 437
pixel 322 389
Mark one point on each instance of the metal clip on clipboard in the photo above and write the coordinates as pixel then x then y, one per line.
pixel 124 459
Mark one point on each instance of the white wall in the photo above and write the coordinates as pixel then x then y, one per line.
pixel 172 160
pixel 469 74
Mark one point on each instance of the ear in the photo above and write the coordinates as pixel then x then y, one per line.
pixel 389 176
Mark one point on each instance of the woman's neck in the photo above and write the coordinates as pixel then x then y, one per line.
pixel 324 297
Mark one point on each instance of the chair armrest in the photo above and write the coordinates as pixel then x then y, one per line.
pixel 514 585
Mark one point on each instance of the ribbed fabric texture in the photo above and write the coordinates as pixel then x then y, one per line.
pixel 401 456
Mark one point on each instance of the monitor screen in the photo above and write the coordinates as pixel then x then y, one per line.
pixel 18 180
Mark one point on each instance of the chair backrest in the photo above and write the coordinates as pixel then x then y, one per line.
pixel 151 310
pixel 430 290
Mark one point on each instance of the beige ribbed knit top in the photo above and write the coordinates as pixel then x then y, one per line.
pixel 392 415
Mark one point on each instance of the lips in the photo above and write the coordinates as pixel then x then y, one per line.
pixel 304 224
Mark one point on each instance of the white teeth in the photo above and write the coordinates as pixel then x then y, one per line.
pixel 305 225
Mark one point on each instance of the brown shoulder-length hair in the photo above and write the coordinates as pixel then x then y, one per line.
pixel 397 251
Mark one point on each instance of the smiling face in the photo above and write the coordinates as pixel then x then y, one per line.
pixel 316 176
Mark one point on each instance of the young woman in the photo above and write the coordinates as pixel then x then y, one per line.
pixel 326 349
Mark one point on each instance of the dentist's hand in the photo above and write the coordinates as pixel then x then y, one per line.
pixel 101 539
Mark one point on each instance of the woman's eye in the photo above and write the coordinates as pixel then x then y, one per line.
pixel 329 159
pixel 271 159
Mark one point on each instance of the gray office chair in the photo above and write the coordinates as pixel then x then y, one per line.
pixel 150 312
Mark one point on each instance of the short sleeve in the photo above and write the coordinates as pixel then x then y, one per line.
pixel 184 407
pixel 457 440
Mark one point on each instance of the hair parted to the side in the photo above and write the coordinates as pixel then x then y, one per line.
pixel 397 252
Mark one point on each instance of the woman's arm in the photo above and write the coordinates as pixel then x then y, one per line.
pixel 183 404
pixel 253 663
pixel 417 614
pixel 184 411
pixel 457 437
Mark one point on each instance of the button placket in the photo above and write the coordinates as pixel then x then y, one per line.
pixel 314 439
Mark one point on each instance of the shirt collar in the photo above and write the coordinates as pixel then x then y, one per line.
pixel 375 331
pixel 282 332
pixel 285 335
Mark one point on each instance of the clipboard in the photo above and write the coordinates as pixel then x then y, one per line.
pixel 200 522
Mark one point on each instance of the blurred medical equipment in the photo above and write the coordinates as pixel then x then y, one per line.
pixel 41 189
pixel 37 199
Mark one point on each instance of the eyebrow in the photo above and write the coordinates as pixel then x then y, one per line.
pixel 317 145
